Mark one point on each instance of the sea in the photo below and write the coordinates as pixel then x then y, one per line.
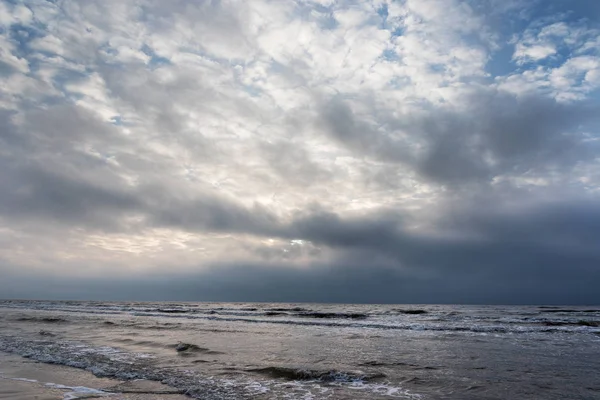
pixel 307 351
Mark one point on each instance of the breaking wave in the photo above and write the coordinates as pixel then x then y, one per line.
pixel 315 375
pixel 107 362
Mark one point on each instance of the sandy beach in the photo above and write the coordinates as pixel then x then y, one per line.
pixel 24 379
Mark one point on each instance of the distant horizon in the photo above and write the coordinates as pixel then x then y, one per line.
pixel 544 305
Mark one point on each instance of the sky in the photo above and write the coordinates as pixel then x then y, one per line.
pixel 411 151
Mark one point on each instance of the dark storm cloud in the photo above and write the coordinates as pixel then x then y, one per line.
pixel 45 176
pixel 528 132
pixel 522 264
pixel 33 193
pixel 213 214
pixel 330 229
pixel 468 239
pixel 513 256
pixel 495 133
pixel 487 254
pixel 547 255
pixel 517 256
pixel 344 127
pixel 361 276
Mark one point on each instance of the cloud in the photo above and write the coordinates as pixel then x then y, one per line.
pixel 511 259
pixel 490 135
pixel 364 151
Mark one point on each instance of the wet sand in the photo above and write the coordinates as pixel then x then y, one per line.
pixel 24 379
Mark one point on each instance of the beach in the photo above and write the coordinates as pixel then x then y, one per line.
pixel 215 351
pixel 25 379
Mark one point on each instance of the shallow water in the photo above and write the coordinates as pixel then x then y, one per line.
pixel 26 379
pixel 317 351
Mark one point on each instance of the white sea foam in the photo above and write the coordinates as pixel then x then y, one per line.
pixel 77 392
pixel 19 379
pixel 73 392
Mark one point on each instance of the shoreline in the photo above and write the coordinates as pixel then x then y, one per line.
pixel 25 379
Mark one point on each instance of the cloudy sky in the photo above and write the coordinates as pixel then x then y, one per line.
pixel 307 150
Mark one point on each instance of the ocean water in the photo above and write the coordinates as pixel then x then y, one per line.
pixel 319 351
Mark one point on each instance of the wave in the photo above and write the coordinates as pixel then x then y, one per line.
pixel 112 363
pixel 289 309
pixel 355 320
pixel 591 324
pixel 325 315
pixel 292 374
pixel 189 348
pixel 48 320
pixel 106 362
pixel 412 312
pixel 398 364
pixel 272 312
pixel 171 308
pixel 513 320
pixel 426 326
pixel 173 311
pixel 568 311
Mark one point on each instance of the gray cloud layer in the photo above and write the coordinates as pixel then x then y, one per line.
pixel 291 151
